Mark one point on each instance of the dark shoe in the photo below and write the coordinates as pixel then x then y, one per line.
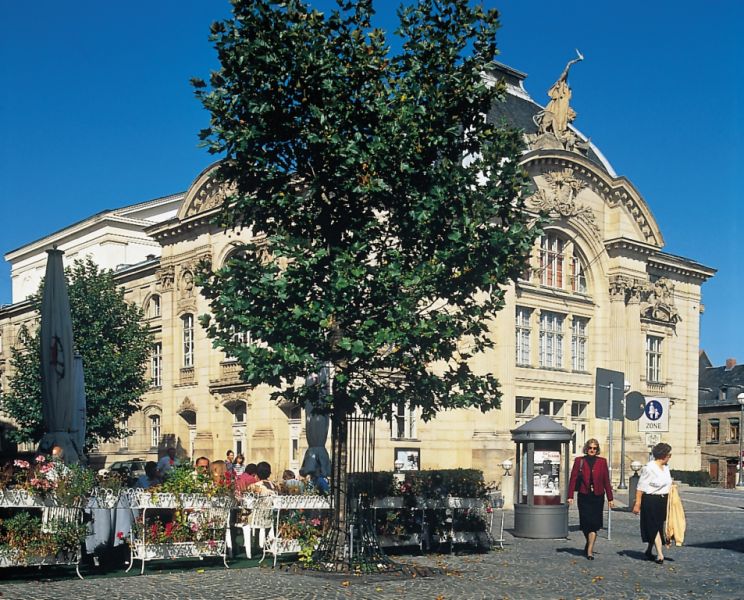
pixel 659 561
pixel 649 555
pixel 590 556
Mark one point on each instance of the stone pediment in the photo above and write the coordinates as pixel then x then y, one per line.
pixel 205 195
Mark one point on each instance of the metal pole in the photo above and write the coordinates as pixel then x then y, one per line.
pixel 609 462
pixel 621 485
pixel 740 484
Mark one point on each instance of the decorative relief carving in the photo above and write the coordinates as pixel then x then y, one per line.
pixel 657 302
pixel 186 406
pixel 559 199
pixel 618 288
pixel 166 277
pixel 211 194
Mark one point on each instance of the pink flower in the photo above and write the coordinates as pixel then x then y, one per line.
pixel 40 458
pixel 23 464
pixel 212 544
pixel 46 468
pixel 315 522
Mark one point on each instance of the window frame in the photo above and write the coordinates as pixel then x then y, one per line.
pixel 187 330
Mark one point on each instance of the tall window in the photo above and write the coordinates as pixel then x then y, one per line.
pixel 579 410
pixel 551 260
pixel 154 307
pixel 156 365
pixel 551 340
pixel 404 422
pixel 578 343
pixel 578 277
pixel 523 335
pixel 734 429
pixel 188 340
pixel 653 358
pixel 715 431
pixel 124 439
pixel 154 431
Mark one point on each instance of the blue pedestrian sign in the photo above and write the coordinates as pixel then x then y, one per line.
pixel 655 417
pixel 653 410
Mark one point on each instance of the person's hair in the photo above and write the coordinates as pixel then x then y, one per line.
pixel 229 452
pixel 288 475
pixel 239 457
pixel 661 450
pixel 151 468
pixel 591 442
pixel 58 451
pixel 263 470
pixel 196 462
pixel 251 468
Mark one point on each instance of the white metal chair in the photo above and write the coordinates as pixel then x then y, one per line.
pixel 261 520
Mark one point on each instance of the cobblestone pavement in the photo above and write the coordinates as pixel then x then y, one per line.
pixel 709 565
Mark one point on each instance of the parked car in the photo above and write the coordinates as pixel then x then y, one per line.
pixel 130 470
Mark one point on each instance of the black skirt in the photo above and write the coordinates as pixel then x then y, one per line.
pixel 653 516
pixel 591 510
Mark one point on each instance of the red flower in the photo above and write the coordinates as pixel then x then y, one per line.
pixel 120 535
pixel 168 529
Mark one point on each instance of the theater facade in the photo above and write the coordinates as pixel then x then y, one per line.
pixel 601 291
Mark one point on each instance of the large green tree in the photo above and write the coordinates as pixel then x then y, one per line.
pixel 114 344
pixel 390 211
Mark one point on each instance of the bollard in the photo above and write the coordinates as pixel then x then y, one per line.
pixel 632 487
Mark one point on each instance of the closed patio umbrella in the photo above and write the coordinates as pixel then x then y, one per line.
pixel 57 363
pixel 316 459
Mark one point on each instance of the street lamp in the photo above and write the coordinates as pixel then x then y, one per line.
pixel 740 400
pixel 621 485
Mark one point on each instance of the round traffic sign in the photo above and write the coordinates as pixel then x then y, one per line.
pixel 653 410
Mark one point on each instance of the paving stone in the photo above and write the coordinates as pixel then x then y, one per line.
pixel 709 566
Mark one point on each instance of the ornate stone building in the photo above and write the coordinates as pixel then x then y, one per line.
pixel 600 292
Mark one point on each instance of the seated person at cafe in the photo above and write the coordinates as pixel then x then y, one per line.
pixel 317 482
pixel 290 484
pixel 246 479
pixel 166 463
pixel 150 478
pixel 201 465
pixel 264 486
pixel 218 473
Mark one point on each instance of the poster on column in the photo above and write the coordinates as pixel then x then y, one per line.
pixel 547 473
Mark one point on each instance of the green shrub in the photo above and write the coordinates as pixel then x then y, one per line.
pixel 693 478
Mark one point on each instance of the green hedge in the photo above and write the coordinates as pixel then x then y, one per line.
pixel 693 478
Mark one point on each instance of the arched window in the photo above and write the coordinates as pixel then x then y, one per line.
pixel 153 306
pixel 187 322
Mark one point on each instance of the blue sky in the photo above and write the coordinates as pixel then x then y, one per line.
pixel 96 112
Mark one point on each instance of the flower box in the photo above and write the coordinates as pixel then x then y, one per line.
pixel 20 498
pixel 304 502
pixel 143 499
pixel 144 552
pixel 388 502
pixel 13 558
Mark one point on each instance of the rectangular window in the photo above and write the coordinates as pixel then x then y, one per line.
pixel 734 430
pixel 188 340
pixel 715 431
pixel 156 365
pixel 579 410
pixel 578 343
pixel 403 425
pixel 523 406
pixel 124 439
pixel 523 335
pixel 552 408
pixel 653 359
pixel 551 340
pixel 154 431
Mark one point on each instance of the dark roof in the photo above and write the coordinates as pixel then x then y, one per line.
pixel 519 112
pixel 720 386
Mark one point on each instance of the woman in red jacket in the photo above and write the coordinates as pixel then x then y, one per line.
pixel 591 479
